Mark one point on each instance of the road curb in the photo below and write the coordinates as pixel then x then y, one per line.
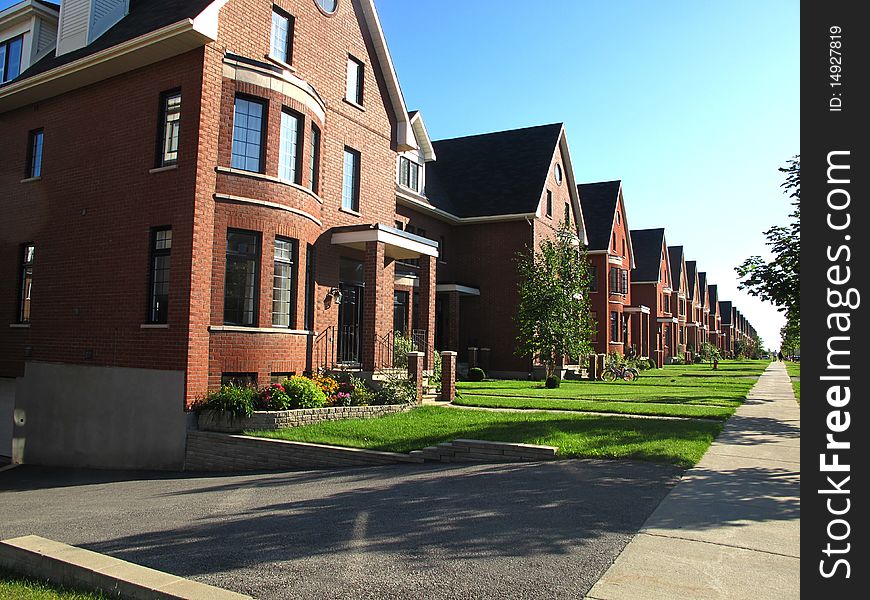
pixel 69 566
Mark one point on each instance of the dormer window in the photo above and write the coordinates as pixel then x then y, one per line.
pixel 409 174
pixel 10 58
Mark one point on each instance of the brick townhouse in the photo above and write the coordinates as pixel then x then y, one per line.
pixel 652 286
pixel 695 328
pixel 483 199
pixel 193 192
pixel 728 337
pixel 704 295
pixel 621 327
pixel 679 298
pixel 715 318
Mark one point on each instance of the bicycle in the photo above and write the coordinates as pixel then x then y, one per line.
pixel 613 372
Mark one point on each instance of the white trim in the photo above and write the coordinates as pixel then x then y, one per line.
pixel 20 325
pixel 673 320
pixel 267 204
pixel 30 179
pixel 280 63
pixel 410 202
pixel 154 326
pixel 637 309
pixel 286 83
pixel 422 135
pixel 349 211
pixel 347 238
pixel 455 287
pixel 269 330
pixel 354 104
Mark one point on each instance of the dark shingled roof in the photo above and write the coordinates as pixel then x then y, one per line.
pixel 691 268
pixel 598 202
pixel 676 255
pixel 647 245
pixel 499 173
pixel 702 283
pixel 144 17
pixel 725 307
pixel 712 290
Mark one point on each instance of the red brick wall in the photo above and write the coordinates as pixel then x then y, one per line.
pixel 90 217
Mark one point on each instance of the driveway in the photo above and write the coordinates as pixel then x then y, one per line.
pixel 531 530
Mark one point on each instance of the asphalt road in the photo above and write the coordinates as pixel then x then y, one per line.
pixel 532 530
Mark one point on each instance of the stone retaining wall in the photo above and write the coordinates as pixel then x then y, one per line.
pixel 207 451
pixel 484 451
pixel 210 420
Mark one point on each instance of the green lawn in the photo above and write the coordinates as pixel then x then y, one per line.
pixel 678 442
pixel 676 390
pixel 794 370
pixel 22 588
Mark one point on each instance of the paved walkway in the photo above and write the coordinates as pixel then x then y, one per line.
pixel 730 529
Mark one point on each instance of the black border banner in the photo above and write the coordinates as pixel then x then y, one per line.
pixel 834 253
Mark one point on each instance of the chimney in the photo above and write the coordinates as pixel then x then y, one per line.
pixel 83 21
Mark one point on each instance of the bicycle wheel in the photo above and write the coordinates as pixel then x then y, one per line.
pixel 608 375
pixel 629 375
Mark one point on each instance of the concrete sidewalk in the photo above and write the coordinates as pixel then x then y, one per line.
pixel 731 527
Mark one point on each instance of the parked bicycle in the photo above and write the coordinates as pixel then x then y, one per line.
pixel 614 372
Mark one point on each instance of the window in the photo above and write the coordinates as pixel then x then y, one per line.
pixel 614 280
pixel 34 154
pixel 350 182
pixel 280 377
pixel 281 47
pixel 248 134
pixel 239 379
pixel 170 124
pixel 409 174
pixel 623 246
pixel 614 326
pixel 617 217
pixel 567 213
pixel 314 159
pixel 284 286
pixel 289 157
pixel 355 74
pixel 623 281
pixel 26 283
pixel 327 6
pixel 400 312
pixel 667 303
pixel 442 254
pixel 613 243
pixel 309 288
pixel 10 58
pixel 549 203
pixel 558 174
pixel 593 278
pixel 242 272
pixel 158 296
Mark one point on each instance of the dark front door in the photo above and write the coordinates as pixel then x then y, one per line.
pixel 349 320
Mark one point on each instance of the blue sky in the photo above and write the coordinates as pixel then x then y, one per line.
pixel 693 105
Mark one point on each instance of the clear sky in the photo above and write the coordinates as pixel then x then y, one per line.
pixel 692 104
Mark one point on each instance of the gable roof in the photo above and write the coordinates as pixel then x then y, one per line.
pixel 648 244
pixel 500 173
pixel 713 295
pixel 676 256
pixel 691 276
pixel 725 308
pixel 599 201
pixel 702 283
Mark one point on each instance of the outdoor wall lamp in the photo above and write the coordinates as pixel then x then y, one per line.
pixel 334 294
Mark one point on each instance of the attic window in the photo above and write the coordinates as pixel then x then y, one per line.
pixel 10 58
pixel 558 174
pixel 327 6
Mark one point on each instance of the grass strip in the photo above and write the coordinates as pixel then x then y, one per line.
pixel 677 442
pixel 16 587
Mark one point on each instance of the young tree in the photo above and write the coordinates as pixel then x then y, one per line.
pixel 554 316
pixel 778 281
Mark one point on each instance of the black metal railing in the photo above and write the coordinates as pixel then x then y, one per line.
pixel 349 344
pixel 324 349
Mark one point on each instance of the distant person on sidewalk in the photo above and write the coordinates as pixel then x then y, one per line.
pixel 779 356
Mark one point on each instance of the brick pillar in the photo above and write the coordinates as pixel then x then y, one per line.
pixel 593 367
pixel 472 357
pixel 448 376
pixel 453 320
pixel 426 318
pixel 377 304
pixel 415 371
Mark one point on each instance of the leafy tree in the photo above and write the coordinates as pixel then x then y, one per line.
pixel 791 338
pixel 554 316
pixel 778 281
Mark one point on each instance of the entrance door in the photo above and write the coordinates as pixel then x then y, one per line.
pixel 350 311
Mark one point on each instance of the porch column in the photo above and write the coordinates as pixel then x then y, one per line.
pixel 426 318
pixel 377 304
pixel 453 321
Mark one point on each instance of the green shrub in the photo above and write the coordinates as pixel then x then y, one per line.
pixel 552 382
pixel 234 400
pixel 402 344
pixel 677 360
pixel 360 394
pixel 396 390
pixel 652 363
pixel 275 397
pixel 476 374
pixel 435 378
pixel 304 393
